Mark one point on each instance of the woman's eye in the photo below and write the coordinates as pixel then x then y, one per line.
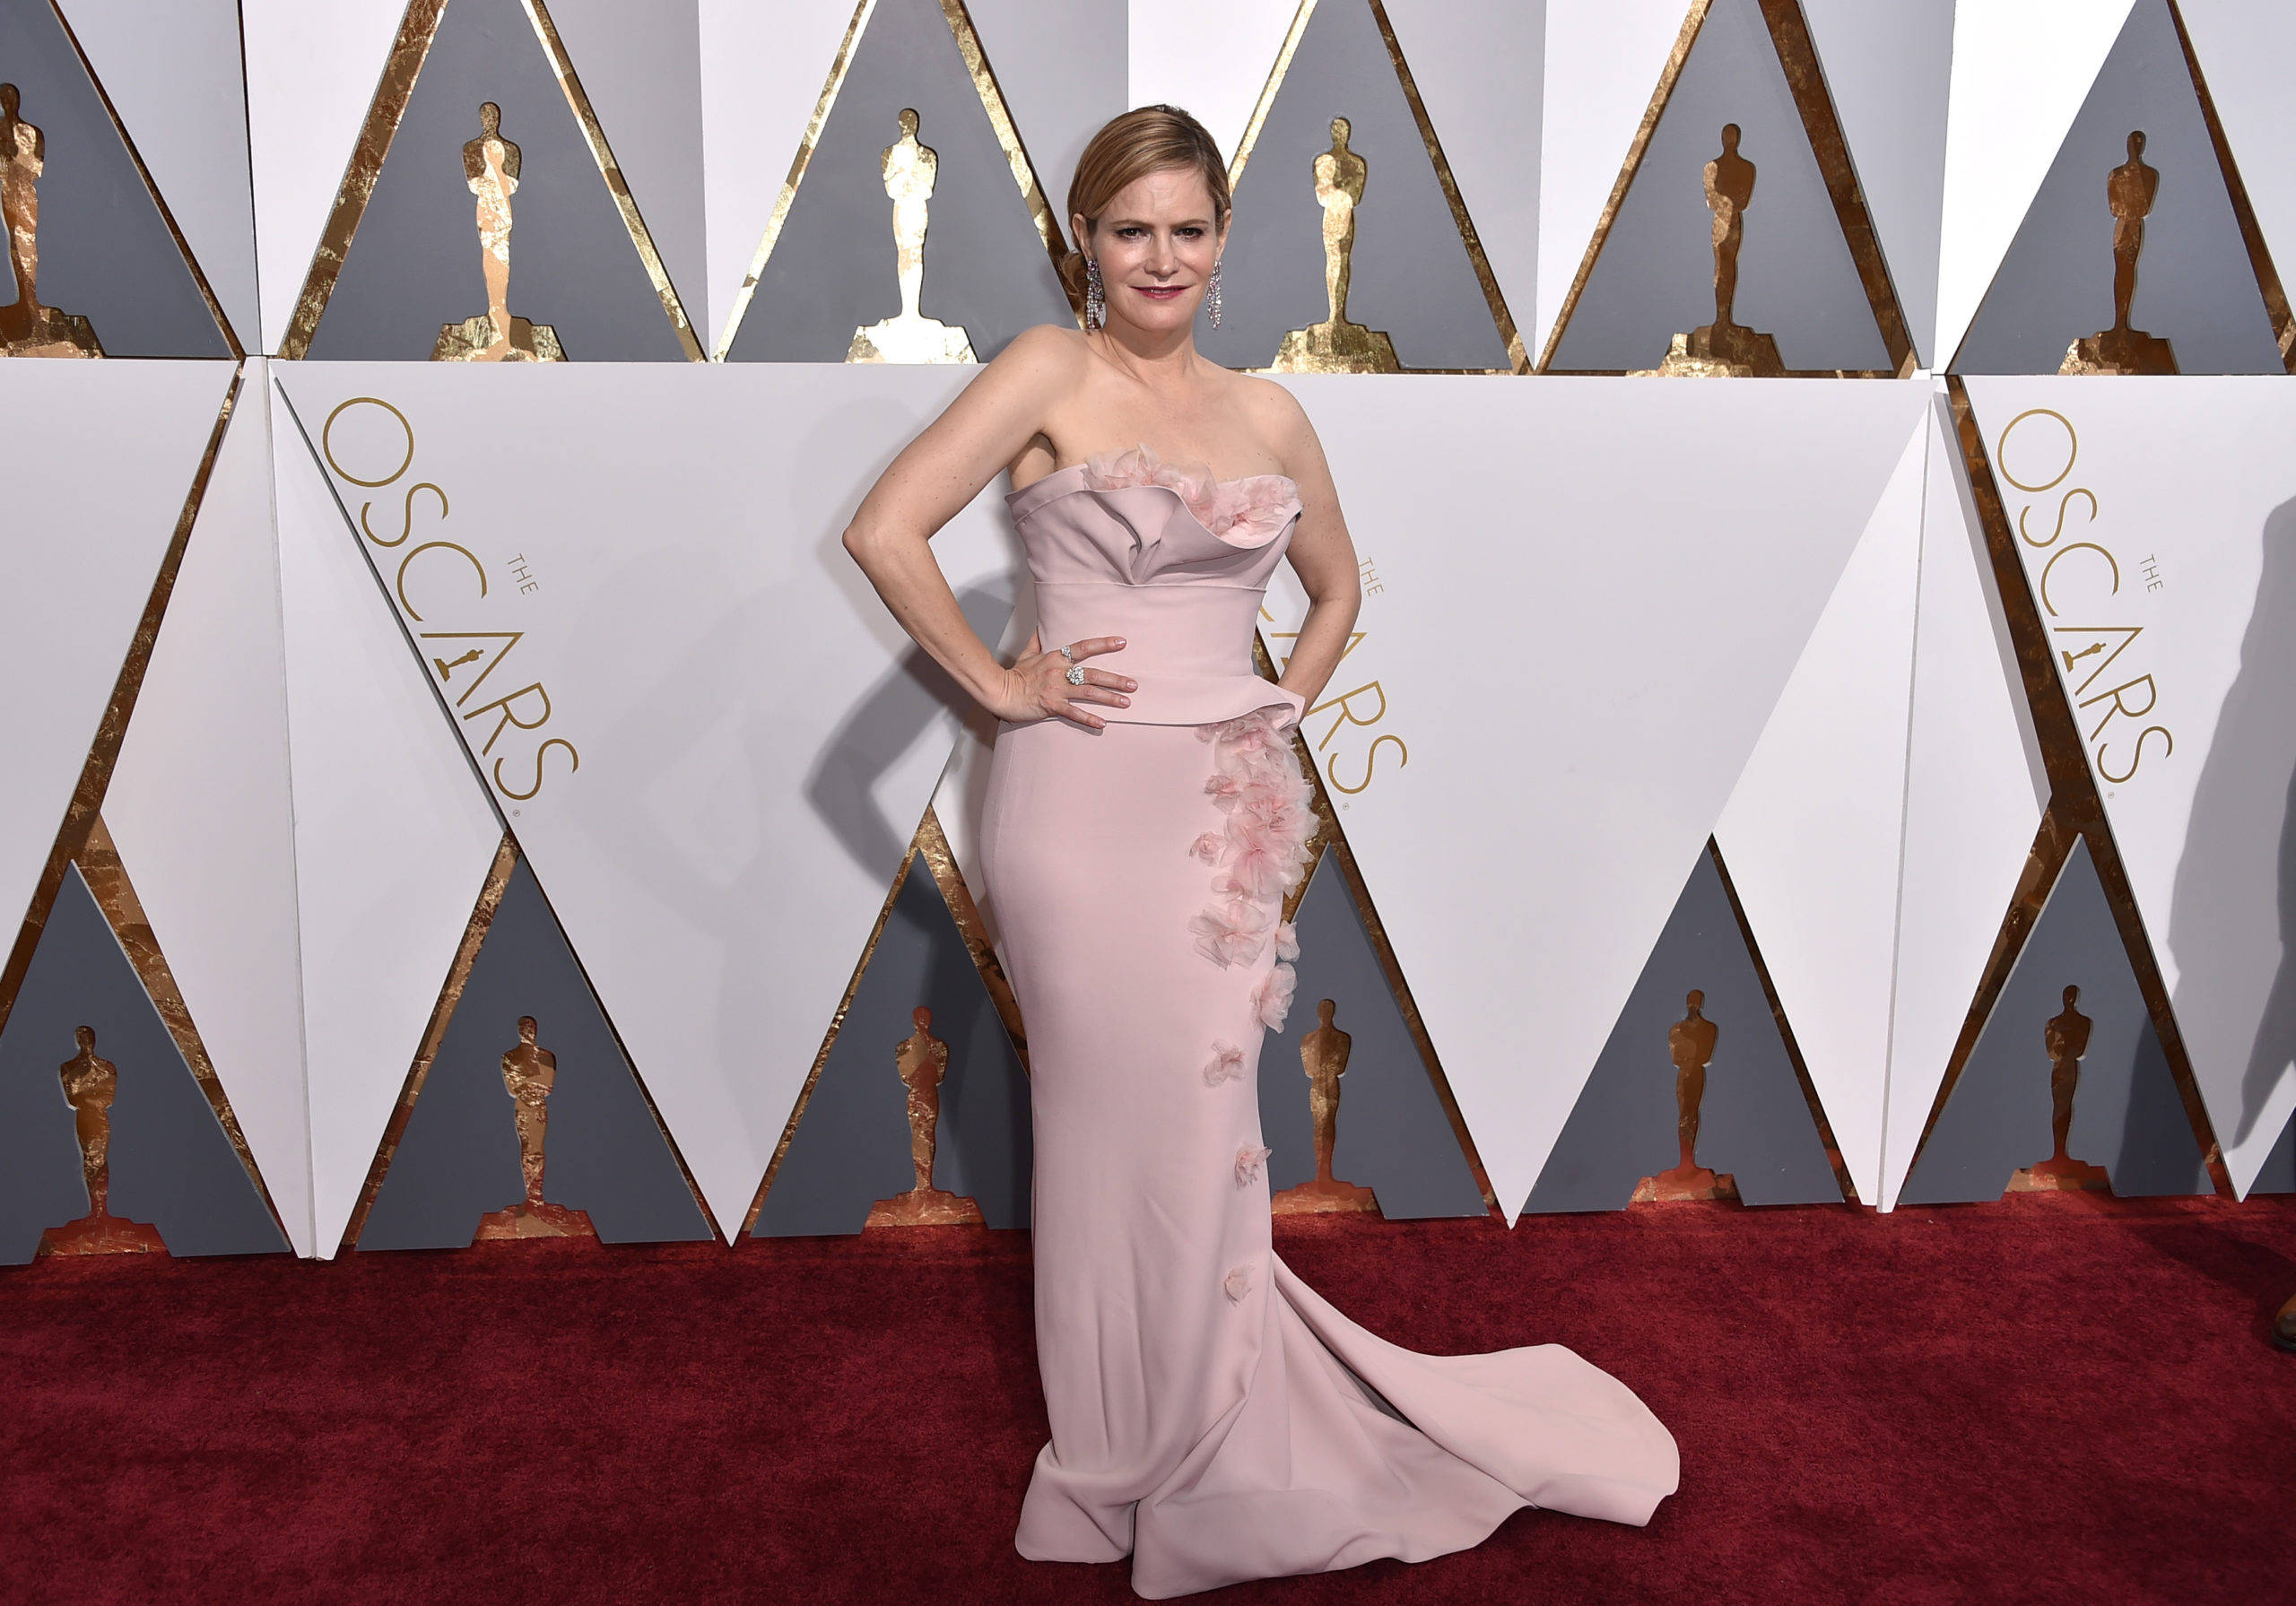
pixel 1130 231
pixel 1191 233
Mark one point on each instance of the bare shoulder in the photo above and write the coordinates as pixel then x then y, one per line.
pixel 1048 350
pixel 1278 420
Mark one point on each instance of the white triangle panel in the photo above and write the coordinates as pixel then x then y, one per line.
pixel 1812 832
pixel 202 809
pixel 392 833
pixel 763 63
pixel 172 69
pixel 2244 48
pixel 1602 60
pixel 311 72
pixel 704 735
pixel 1567 658
pixel 101 458
pixel 1479 69
pixel 1975 790
pixel 2021 69
pixel 2172 591
pixel 1211 57
pixel 1889 70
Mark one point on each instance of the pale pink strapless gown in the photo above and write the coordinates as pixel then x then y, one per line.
pixel 1207 1416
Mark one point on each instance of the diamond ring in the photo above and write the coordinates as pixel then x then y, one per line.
pixel 1075 674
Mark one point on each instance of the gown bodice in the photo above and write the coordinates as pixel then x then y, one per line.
pixel 1174 562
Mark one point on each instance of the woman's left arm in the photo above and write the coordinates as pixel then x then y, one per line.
pixel 1321 552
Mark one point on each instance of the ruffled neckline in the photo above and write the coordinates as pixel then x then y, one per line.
pixel 1247 512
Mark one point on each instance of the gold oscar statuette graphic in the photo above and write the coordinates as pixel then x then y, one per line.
pixel 1690 1042
pixel 90 1085
pixel 490 166
pixel 922 1060
pixel 1336 346
pixel 2067 1039
pixel 529 1072
pixel 1323 1055
pixel 27 328
pixel 2130 189
pixel 911 336
pixel 1725 348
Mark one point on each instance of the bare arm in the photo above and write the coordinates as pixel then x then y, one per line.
pixel 933 480
pixel 1322 554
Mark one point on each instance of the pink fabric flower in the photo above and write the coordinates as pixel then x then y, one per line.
pixel 1248 1159
pixel 1272 999
pixel 1251 511
pixel 1230 934
pixel 1237 1284
pixel 1287 940
pixel 1227 1065
pixel 1263 852
pixel 1207 847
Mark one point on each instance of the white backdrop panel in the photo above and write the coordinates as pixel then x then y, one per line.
pixel 98 459
pixel 312 72
pixel 1813 831
pixel 753 756
pixel 1480 69
pixel 172 69
pixel 1568 653
pixel 763 62
pixel 2173 586
pixel 1975 790
pixel 2021 69
pixel 393 834
pixel 203 812
pixel 1211 57
pixel 1603 62
pixel 2244 47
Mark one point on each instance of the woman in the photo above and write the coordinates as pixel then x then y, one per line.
pixel 1211 1415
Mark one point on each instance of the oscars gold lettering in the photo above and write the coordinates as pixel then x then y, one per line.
pixel 27 328
pixel 461 660
pixel 2090 581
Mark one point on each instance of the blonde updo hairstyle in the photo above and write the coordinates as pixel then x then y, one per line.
pixel 1150 139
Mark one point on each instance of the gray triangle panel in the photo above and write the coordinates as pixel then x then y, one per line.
pixel 1394 1136
pixel 603 1153
pixel 1654 278
pixel 2195 287
pixel 105 253
pixel 2277 1175
pixel 1410 274
pixel 2128 1115
pixel 852 1144
pixel 413 263
pixel 1754 1120
pixel 172 1165
pixel 832 268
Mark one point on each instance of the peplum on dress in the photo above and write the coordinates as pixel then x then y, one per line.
pixel 1212 1417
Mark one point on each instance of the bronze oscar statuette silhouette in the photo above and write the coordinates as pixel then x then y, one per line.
pixel 910 337
pixel 27 328
pixel 528 1073
pixel 2130 190
pixel 922 1060
pixel 1725 348
pixel 1323 1055
pixel 2067 1039
pixel 1336 346
pixel 90 1085
pixel 491 167
pixel 1690 1042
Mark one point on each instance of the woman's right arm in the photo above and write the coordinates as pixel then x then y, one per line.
pixel 989 424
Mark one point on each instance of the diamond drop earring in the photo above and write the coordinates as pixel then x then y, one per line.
pixel 1096 301
pixel 1212 293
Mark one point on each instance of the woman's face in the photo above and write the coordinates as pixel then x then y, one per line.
pixel 1156 243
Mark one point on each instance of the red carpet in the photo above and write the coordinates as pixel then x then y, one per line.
pixel 2046 1399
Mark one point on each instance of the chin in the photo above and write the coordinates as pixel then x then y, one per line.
pixel 1162 316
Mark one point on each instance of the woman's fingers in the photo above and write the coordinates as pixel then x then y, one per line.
pixel 1092 647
